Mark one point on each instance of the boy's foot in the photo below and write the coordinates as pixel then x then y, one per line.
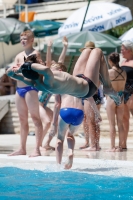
pixel 69 162
pixel 90 149
pixel 35 153
pixel 84 146
pixel 17 153
pixel 110 150
pixel 118 149
pixel 98 148
pixel 47 148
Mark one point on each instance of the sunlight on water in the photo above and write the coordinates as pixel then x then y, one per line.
pixel 17 183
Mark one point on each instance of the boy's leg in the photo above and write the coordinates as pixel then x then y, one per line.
pixel 93 66
pixel 91 63
pixel 86 124
pixel 111 110
pixel 86 132
pixel 32 102
pixel 96 67
pixel 62 128
pixel 90 119
pixel 119 117
pixel 46 115
pixel 24 128
pixel 71 143
pixel 81 62
pixel 126 118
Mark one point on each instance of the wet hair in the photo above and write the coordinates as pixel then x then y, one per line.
pixel 62 67
pixel 128 45
pixel 27 33
pixel 34 58
pixel 114 58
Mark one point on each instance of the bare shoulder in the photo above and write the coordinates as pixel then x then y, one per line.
pixel 36 52
pixel 19 55
pixel 127 63
pixel 111 71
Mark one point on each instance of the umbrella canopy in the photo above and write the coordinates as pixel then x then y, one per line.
pixel 4 33
pixel 100 16
pixel 76 41
pixel 10 29
pixel 128 35
pixel 43 28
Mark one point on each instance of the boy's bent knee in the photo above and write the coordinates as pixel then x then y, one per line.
pixel 61 137
pixel 36 121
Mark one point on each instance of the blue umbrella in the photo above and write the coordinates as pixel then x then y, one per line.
pixel 42 28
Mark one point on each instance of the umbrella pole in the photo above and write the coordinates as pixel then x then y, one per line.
pixel 70 64
pixel 85 15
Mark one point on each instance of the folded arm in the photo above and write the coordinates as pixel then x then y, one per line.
pixel 19 77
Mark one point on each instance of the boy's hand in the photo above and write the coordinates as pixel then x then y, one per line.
pixel 53 130
pixel 15 68
pixel 65 41
pixel 49 43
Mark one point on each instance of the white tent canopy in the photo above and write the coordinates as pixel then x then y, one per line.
pixel 127 35
pixel 101 16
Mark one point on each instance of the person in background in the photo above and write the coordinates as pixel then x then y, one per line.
pixel 127 66
pixel 70 111
pixel 27 98
pixel 118 79
pixel 46 113
pixel 90 125
pixel 7 84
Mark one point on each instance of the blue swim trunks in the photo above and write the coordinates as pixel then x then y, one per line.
pixel 23 90
pixel 72 116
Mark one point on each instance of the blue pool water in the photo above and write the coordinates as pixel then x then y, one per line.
pixel 16 183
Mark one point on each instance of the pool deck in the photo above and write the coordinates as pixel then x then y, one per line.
pixel 100 162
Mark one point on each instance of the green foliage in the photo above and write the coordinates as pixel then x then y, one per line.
pixel 120 30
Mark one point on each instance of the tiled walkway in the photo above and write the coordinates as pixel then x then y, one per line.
pixel 9 143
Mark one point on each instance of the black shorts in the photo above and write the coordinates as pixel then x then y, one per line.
pixel 92 87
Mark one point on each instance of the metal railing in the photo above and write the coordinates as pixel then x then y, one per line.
pixel 7 9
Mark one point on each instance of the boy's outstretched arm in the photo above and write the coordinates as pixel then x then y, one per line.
pixel 63 53
pixel 19 77
pixel 48 55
